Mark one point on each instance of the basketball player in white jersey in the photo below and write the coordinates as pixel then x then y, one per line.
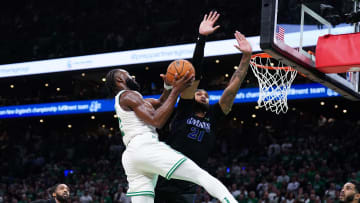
pixel 145 157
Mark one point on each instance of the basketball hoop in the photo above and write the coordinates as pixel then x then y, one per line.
pixel 275 80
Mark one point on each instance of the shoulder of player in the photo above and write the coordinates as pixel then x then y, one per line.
pixel 131 98
pixel 183 101
pixel 215 110
pixel 214 106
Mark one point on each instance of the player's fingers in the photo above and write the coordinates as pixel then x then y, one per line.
pixel 240 35
pixel 216 27
pixel 216 17
pixel 209 16
pixel 186 75
pixel 237 46
pixel 205 17
pixel 213 16
pixel 165 79
pixel 237 37
pixel 176 77
pixel 190 79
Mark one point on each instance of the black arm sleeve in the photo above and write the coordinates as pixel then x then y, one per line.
pixel 198 56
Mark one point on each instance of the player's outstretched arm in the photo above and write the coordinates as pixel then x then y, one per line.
pixel 206 28
pixel 227 98
pixel 157 118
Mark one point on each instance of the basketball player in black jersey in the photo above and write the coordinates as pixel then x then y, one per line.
pixel 192 130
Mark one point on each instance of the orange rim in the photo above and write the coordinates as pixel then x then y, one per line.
pixel 266 55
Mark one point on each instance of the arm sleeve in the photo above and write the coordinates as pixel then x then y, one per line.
pixel 198 56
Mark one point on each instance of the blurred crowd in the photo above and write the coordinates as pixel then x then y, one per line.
pixel 41 29
pixel 296 158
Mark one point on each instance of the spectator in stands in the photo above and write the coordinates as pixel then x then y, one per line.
pixel 242 199
pixel 252 197
pixel 293 186
pixel 290 198
pixel 274 149
pixel 264 198
pixel 234 190
pixel 86 197
pixel 318 185
pixel 262 187
pixel 273 198
pixel 243 191
pixel 331 192
pixel 283 177
pixel 120 196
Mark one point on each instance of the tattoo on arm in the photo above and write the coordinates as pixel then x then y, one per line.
pixel 239 73
pixel 227 99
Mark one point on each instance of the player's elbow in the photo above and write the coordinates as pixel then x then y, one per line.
pixel 225 108
pixel 158 124
pixel 226 111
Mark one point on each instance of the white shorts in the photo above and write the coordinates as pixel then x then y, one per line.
pixel 144 159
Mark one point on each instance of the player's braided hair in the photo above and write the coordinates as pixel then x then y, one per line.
pixel 110 82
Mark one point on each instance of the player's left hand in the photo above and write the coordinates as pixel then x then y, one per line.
pixel 207 25
pixel 243 45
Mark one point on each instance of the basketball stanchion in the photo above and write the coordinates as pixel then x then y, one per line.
pixel 275 79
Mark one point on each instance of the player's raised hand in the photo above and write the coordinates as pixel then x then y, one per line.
pixel 184 82
pixel 207 25
pixel 243 45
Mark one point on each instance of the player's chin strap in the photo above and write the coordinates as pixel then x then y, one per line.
pixel 167 87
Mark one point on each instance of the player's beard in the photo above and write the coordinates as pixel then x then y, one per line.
pixel 62 198
pixel 348 199
pixel 201 107
pixel 132 84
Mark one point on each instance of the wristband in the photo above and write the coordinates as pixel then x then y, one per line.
pixel 167 87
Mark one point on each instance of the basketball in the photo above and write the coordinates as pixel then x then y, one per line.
pixel 179 67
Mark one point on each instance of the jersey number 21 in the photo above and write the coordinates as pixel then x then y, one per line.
pixel 196 134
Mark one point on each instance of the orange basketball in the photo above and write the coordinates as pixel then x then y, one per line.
pixel 180 67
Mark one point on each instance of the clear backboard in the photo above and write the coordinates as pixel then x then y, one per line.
pixel 290 30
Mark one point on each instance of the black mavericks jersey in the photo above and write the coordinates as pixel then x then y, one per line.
pixel 192 135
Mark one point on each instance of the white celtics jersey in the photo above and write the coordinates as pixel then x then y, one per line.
pixel 130 125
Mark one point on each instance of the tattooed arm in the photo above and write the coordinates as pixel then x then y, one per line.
pixel 227 98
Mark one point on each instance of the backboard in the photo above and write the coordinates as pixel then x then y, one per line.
pixel 290 28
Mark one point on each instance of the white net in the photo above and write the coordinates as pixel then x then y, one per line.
pixel 275 80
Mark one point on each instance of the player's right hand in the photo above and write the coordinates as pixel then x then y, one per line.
pixel 207 25
pixel 180 84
